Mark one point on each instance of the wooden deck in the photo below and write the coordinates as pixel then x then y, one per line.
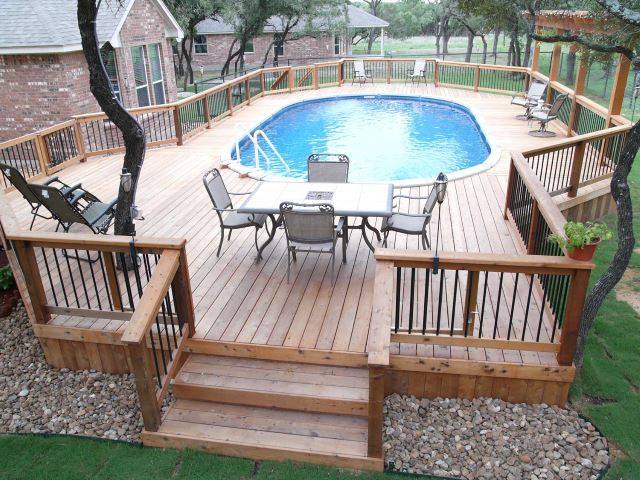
pixel 240 300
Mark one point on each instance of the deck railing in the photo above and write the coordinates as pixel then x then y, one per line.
pixel 54 148
pixel 137 295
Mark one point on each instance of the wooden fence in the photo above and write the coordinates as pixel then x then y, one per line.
pixel 52 149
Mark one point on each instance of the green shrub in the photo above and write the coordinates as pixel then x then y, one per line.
pixel 578 234
pixel 6 278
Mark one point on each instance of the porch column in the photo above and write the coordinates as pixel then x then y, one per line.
pixel 382 42
pixel 619 85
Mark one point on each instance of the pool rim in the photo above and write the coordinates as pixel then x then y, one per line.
pixel 258 174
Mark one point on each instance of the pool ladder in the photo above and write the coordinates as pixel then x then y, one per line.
pixel 257 149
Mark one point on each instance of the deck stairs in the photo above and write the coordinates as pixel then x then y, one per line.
pixel 269 410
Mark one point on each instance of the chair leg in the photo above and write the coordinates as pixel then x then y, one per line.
pixel 425 241
pixel 344 250
pixel 221 240
pixel 386 235
pixel 345 229
pixel 293 254
pixel 229 236
pixel 333 266
pixel 288 265
pixel 33 220
pixel 255 239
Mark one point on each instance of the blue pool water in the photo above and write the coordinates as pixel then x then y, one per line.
pixel 385 137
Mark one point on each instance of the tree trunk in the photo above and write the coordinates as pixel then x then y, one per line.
pixel 230 57
pixel 470 37
pixel 571 66
pixel 438 41
pixel 484 48
pixel 372 37
pixel 496 36
pixel 626 241
pixel 527 51
pixel 132 132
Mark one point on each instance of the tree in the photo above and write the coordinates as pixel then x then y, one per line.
pixel 189 13
pixel 374 6
pixel 132 132
pixel 623 28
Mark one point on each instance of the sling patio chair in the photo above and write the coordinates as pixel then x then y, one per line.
pixel 360 74
pixel 329 168
pixel 15 178
pixel 546 114
pixel 310 227
pixel 221 199
pixel 86 210
pixel 530 99
pixel 418 73
pixel 413 223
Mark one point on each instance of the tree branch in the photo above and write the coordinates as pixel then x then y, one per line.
pixel 591 45
pixel 615 8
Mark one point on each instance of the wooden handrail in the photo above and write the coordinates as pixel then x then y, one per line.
pixel 154 292
pixel 571 141
pixel 492 262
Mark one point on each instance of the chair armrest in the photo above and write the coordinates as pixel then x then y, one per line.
pixel 410 197
pixel 51 180
pixel 340 224
pixel 240 193
pixel 416 215
pixel 75 197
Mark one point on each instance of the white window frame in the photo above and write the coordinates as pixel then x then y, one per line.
pixel 200 44
pixel 146 76
pixel 253 47
pixel 154 82
pixel 337 43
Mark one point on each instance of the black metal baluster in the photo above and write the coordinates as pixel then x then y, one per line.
pixel 426 300
pixel 411 298
pixel 440 301
pixel 495 323
pixel 455 298
pixel 398 290
pixel 513 304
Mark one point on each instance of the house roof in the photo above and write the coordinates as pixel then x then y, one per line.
pixel 357 18
pixel 51 26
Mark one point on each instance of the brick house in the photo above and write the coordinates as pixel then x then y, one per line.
pixel 215 36
pixel 44 77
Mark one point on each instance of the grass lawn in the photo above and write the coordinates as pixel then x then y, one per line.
pixel 608 388
pixel 57 457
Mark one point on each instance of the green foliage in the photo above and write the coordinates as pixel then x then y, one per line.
pixel 578 234
pixel 6 278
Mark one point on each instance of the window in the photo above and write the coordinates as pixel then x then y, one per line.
pixel 108 55
pixel 278 47
pixel 336 45
pixel 249 48
pixel 155 67
pixel 200 43
pixel 140 75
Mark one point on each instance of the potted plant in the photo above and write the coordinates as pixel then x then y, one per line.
pixel 8 296
pixel 581 239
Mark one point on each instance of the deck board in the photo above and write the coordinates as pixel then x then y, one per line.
pixel 240 300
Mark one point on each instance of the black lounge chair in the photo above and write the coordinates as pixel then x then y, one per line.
pixel 15 178
pixel 86 210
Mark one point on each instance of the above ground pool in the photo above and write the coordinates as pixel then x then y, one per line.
pixel 385 137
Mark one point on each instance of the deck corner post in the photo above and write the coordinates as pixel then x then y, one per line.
pixel 510 180
pixel 177 124
pixel 573 315
pixel 29 266
pixel 145 384
pixel 376 414
pixel 576 169
pixel 181 285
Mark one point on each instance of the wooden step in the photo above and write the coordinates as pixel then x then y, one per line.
pixel 265 434
pixel 261 383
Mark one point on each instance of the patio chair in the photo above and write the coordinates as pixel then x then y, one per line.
pixel 418 73
pixel 221 199
pixel 310 227
pixel 15 178
pixel 360 74
pixel 530 99
pixel 87 210
pixel 546 114
pixel 412 223
pixel 327 168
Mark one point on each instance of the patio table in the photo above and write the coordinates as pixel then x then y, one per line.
pixel 362 200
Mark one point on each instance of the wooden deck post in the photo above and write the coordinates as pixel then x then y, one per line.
pixel 44 159
pixel 389 68
pixel 476 78
pixel 33 279
pixel 112 279
pixel 262 86
pixel 554 69
pixel 576 168
pixel 533 228
pixel 181 285
pixel 291 78
pixel 510 178
pixel 340 75
pixel 376 414
pixel 573 314
pixel 177 122
pixel 247 92
pixel 229 100
pixel 145 384
pixel 79 140
pixel 436 73
pixel 578 90
pixel 315 77
pixel 619 85
pixel 471 301
pixel 205 110
pixel 535 60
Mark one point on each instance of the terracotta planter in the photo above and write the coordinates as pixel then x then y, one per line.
pixel 584 254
